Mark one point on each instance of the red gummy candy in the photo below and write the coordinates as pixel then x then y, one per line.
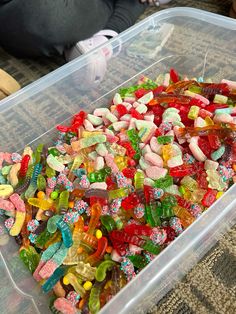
pixel 184 203
pixel 197 102
pixel 122 110
pixel 202 179
pixel 213 107
pixel 141 92
pixel 135 114
pixel 76 122
pixel 24 166
pixel 209 198
pixel 130 201
pixel 182 171
pixel 180 107
pixel 174 76
pixel 129 172
pixel 170 234
pixel 185 119
pixel 139 230
pixel 110 183
pixel 148 192
pixel 157 133
pixel 158 90
pixel 157 120
pixel 204 145
pixel 121 248
pixel 63 128
pixel 79 117
pixel 131 162
pixel 214 141
pixel 121 236
pixel 129 149
pixel 158 110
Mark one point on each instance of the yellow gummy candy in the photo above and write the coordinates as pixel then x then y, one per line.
pixel 167 152
pixel 209 121
pixel 88 285
pixel 16 228
pixel 189 183
pixel 6 190
pixel 41 203
pixel 219 194
pixel 122 192
pixel 121 162
pixel 86 134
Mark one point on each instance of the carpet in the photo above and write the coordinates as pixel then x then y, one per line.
pixel 210 287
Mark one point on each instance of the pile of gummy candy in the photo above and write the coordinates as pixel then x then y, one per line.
pixel 116 187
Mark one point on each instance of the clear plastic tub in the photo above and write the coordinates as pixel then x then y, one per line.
pixel 194 42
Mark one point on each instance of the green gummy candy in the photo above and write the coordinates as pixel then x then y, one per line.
pixel 138 261
pixel 42 239
pixel 164 182
pixel 108 222
pixel 218 153
pixel 165 139
pixel 6 170
pixel 41 183
pixel 152 247
pixel 52 223
pixel 30 258
pixel 50 172
pixel 102 269
pixel 54 152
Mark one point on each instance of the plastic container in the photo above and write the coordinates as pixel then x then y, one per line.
pixel 197 44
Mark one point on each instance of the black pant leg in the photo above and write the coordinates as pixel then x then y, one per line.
pixel 47 27
pixel 126 12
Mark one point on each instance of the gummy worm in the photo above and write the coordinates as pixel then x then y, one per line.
pixel 102 269
pixel 64 306
pixel 95 215
pixel 47 254
pixel 66 233
pixel 24 166
pixel 101 249
pixel 6 190
pixel 6 205
pixel 56 276
pixel 12 177
pixel 20 214
pixel 22 188
pixel 94 298
pixel 52 264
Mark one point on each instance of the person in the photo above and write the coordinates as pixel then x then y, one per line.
pixel 8 85
pixel 233 10
pixel 31 28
